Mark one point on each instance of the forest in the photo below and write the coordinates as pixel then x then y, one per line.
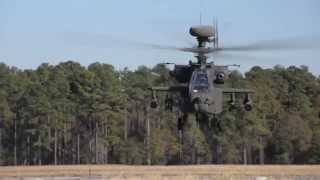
pixel 73 114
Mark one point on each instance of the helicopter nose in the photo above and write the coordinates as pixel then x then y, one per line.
pixel 196 104
pixel 200 105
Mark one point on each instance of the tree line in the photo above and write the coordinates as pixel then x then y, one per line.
pixel 71 114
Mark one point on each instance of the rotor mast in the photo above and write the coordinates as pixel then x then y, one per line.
pixel 202 59
pixel 204 34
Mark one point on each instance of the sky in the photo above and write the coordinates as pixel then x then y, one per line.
pixel 107 31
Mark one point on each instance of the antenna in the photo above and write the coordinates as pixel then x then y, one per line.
pixel 201 9
pixel 215 29
pixel 216 33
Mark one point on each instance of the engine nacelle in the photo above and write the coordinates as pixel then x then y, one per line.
pixel 181 73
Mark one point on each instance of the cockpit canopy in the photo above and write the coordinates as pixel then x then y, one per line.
pixel 200 81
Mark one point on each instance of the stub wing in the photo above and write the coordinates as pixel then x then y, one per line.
pixel 235 90
pixel 180 87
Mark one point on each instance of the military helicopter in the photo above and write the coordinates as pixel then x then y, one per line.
pixel 199 84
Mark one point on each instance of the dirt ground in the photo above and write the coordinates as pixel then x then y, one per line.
pixel 163 172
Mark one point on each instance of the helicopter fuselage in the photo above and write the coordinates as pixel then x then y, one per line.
pixel 198 87
pixel 202 93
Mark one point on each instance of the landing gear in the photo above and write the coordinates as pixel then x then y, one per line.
pixel 232 102
pixel 182 121
pixel 168 103
pixel 154 102
pixel 247 103
pixel 216 123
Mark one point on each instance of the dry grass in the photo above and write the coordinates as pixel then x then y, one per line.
pixel 121 170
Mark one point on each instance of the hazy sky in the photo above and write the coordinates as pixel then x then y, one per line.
pixel 87 31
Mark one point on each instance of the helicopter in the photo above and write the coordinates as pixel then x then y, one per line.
pixel 200 85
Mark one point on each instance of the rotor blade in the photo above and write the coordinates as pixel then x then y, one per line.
pixel 156 46
pixel 230 56
pixel 284 44
pixel 106 41
pixel 166 47
pixel 236 56
pixel 199 50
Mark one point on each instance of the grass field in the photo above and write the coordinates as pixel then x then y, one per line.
pixel 121 170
